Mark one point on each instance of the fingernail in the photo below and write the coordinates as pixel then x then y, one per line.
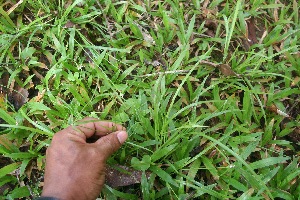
pixel 122 136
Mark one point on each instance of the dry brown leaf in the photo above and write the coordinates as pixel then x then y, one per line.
pixel 212 26
pixel 2 101
pixel 4 141
pixel 264 95
pixel 3 82
pixel 148 39
pixel 14 7
pixel 68 4
pixel 135 14
pixel 117 178
pixel 211 107
pixel 69 24
pixel 251 31
pixel 295 81
pixel 275 11
pixel 205 4
pixel 29 169
pixel 226 70
pixel 265 33
pixel 37 74
pixel 18 97
pixel 40 96
pixel 273 108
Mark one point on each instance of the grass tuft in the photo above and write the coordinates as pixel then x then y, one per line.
pixel 208 91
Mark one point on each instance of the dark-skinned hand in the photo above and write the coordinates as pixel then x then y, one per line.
pixel 75 169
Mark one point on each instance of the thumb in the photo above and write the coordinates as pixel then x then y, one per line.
pixel 111 143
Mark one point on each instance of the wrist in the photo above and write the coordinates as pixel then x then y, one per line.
pixel 60 193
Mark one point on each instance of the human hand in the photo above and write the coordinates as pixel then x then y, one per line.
pixel 75 169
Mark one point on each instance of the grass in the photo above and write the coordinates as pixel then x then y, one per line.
pixel 211 112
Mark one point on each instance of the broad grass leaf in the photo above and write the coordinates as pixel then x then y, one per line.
pixel 283 143
pixel 7 179
pixel 268 162
pixel 139 8
pixel 251 175
pixel 229 31
pixel 285 132
pixel 237 184
pixel 194 169
pixel 286 92
pixel 70 8
pixel 75 92
pixel 145 186
pixel 21 155
pixel 34 106
pixel 267 136
pixel 177 63
pixel 127 72
pixel 107 109
pixel 292 167
pixel 242 23
pixel 287 181
pixel 121 117
pixel 210 166
pixel 251 181
pixel 271 174
pixel 71 42
pixel 19 193
pixel 149 143
pixel 9 147
pixel 107 193
pixel 246 195
pixel 249 149
pixel 135 29
pixel 163 192
pixel 190 29
pixel 162 152
pixel 58 46
pixel 7 18
pixel 4 150
pixel 99 58
pixel 27 53
pixel 28 129
pixel 24 165
pixel 42 128
pixel 177 165
pixel 144 164
pixel 163 175
pixel 8 169
pixel 7 117
pixel 115 193
pixel 281 194
pixel 203 189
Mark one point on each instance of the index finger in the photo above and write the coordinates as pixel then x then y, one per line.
pixel 89 127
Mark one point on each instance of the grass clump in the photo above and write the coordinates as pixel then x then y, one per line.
pixel 208 91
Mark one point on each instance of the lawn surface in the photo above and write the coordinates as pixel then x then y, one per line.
pixel 208 90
